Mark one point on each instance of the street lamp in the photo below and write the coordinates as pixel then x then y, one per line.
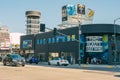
pixel 115 41
pixel 79 32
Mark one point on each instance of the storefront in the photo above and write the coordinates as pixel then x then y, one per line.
pixel 96 43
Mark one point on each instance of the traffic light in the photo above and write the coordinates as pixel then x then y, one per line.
pixel 42 27
pixel 55 31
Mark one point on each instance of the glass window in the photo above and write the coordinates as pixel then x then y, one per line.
pixel 68 38
pixel 41 41
pixel 57 39
pixel 73 37
pixel 63 39
pixel 49 40
pixel 38 41
pixel 44 41
pixel 53 40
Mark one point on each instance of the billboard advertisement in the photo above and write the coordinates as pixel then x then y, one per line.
pixel 27 44
pixel 71 10
pixel 64 13
pixel 80 9
pixel 94 44
pixel 90 12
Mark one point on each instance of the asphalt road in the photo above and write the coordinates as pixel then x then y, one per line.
pixel 35 72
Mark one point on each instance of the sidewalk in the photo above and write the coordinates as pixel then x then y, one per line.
pixel 87 65
pixel 94 67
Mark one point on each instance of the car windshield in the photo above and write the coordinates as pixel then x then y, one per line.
pixel 16 56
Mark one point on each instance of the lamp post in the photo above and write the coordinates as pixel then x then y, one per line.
pixel 79 58
pixel 115 42
pixel 79 32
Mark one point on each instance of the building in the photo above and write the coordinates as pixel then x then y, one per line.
pixel 15 42
pixel 96 41
pixel 32 22
pixel 4 40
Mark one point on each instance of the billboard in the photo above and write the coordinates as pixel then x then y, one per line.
pixel 94 44
pixel 90 12
pixel 64 13
pixel 27 44
pixel 80 9
pixel 71 10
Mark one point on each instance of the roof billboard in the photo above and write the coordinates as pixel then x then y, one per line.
pixel 64 13
pixel 71 10
pixel 80 9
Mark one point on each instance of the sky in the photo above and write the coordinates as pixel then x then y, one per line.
pixel 12 12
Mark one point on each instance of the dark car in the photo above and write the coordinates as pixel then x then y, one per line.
pixel 33 60
pixel 0 58
pixel 14 59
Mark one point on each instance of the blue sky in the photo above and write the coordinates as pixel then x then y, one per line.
pixel 12 12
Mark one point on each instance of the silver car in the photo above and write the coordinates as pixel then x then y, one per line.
pixel 14 59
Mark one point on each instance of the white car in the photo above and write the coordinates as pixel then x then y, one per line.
pixel 58 61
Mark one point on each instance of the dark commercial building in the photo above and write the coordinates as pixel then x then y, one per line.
pixel 97 44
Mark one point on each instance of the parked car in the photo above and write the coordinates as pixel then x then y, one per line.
pixel 0 58
pixel 34 59
pixel 58 61
pixel 13 59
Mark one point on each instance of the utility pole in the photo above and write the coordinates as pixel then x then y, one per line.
pixel 79 58
pixel 115 42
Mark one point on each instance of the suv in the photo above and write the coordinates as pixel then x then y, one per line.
pixel 14 59
pixel 34 59
pixel 58 61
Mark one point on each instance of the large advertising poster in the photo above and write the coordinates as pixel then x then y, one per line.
pixel 27 44
pixel 94 44
pixel 80 9
pixel 71 10
pixel 64 13
pixel 97 43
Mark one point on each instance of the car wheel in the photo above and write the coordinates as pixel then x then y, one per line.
pixel 58 64
pixel 4 63
pixel 65 64
pixel 36 62
pixel 49 63
pixel 23 65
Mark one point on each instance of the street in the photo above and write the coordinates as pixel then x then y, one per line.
pixel 33 72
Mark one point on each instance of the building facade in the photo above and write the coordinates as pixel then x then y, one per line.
pixel 96 44
pixel 32 22
pixel 15 42
pixel 4 40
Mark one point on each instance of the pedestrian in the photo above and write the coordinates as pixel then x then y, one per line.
pixel 88 59
pixel 71 60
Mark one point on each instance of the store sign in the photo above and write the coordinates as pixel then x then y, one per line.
pixel 94 44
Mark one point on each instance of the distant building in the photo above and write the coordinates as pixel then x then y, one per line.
pixel 4 40
pixel 15 41
pixel 32 22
